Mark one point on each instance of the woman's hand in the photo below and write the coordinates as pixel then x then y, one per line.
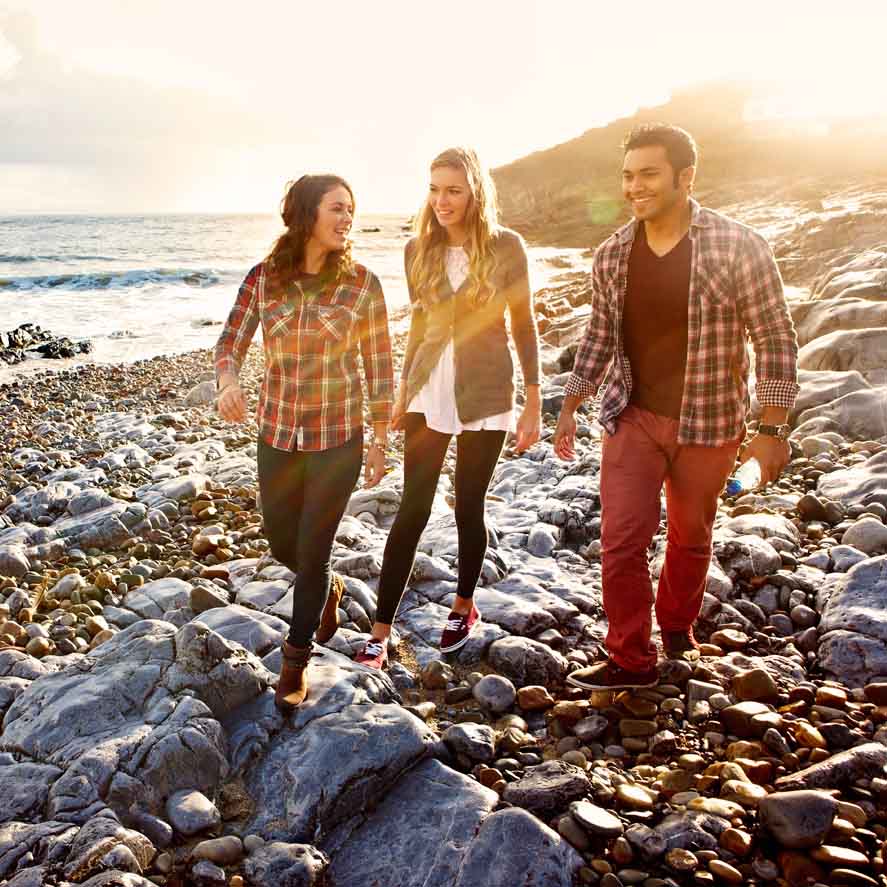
pixel 529 427
pixel 374 469
pixel 231 403
pixel 398 411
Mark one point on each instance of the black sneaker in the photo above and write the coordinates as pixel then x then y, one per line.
pixel 609 676
pixel 680 645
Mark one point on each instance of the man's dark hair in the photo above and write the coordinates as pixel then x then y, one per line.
pixel 680 148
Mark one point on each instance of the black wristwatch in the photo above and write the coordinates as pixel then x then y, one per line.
pixel 779 431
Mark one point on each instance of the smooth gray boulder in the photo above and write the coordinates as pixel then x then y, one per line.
pixel 513 847
pixel 863 484
pixel 311 779
pixel 856 349
pixel 548 788
pixel 255 631
pixel 861 415
pixel 526 661
pixel 418 835
pixel 838 771
pixel 190 812
pixel 831 315
pixel 798 819
pixel 134 721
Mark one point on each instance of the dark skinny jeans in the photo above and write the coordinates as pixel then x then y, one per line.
pixel 304 495
pixel 477 453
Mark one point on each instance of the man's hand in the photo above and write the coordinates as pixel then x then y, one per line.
pixel 374 469
pixel 231 403
pixel 565 436
pixel 772 453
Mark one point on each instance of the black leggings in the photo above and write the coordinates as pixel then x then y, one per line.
pixel 477 453
pixel 304 496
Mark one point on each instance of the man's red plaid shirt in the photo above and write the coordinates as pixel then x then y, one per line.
pixel 311 397
pixel 735 293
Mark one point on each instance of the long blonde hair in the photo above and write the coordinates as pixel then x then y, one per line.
pixel 428 266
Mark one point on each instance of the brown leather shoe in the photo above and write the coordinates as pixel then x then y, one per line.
pixel 329 621
pixel 292 686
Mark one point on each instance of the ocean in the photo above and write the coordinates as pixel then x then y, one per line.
pixel 141 286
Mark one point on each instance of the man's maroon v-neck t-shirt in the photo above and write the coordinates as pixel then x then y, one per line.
pixel 654 324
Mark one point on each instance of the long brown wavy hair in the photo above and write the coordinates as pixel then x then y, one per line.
pixel 428 265
pixel 298 209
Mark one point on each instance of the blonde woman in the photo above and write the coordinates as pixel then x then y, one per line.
pixel 464 272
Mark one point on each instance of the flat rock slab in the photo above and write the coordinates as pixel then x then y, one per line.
pixel 863 484
pixel 312 779
pixel 513 847
pixel 257 632
pixel 262 595
pixel 419 834
pixel 153 599
pixel 858 601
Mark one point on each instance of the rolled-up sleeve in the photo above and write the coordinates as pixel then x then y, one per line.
pixel 239 329
pixel 765 313
pixel 375 350
pixel 598 343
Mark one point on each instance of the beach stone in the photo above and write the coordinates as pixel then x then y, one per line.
pixel 534 698
pixel 739 718
pixel 191 812
pixel 830 855
pixel 476 741
pixel 547 788
pixel 495 693
pixel 681 860
pixel 526 661
pixel 868 534
pixel 755 684
pixel 634 797
pixel 207 874
pixel 543 539
pixel 648 844
pixel 591 728
pixel 596 819
pixel 226 850
pixel 285 865
pixel 725 872
pixel 716 807
pixel 798 819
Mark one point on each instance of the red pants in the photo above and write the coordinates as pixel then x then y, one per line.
pixel 637 459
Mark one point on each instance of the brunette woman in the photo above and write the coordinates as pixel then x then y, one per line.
pixel 319 311
pixel 464 273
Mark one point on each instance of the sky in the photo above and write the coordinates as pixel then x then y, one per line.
pixel 193 106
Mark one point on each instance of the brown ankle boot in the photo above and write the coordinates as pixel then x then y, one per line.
pixel 329 621
pixel 292 686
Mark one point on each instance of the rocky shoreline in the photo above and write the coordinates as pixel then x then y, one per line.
pixel 141 615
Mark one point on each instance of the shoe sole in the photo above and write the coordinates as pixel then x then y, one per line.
pixel 464 640
pixel 587 685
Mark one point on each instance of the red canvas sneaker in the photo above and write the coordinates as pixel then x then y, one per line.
pixel 374 654
pixel 458 629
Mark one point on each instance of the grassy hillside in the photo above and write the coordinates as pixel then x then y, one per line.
pixel 569 195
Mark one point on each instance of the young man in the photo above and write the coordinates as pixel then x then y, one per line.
pixel 674 293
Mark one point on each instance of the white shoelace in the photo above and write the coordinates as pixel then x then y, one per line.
pixel 373 648
pixel 454 624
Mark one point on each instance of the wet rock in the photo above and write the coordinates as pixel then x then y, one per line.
pixel 526 661
pixel 476 741
pixel 495 693
pixel 286 865
pixel 548 788
pixel 191 812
